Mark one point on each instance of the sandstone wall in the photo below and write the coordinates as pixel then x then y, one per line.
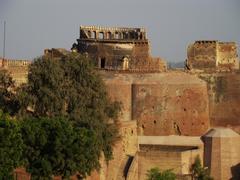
pixel 113 52
pixel 179 161
pixel 212 55
pixel 19 74
pixel 162 104
pixel 18 69
pixel 124 149
pixel 224 99
pixel 221 153
pixel 121 91
pixel 227 55
pixel 202 55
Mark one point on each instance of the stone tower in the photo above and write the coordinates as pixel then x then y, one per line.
pixel 117 48
pixel 222 153
pixel 212 55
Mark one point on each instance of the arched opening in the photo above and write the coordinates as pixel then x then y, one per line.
pixel 116 35
pixel 101 35
pixel 120 35
pixel 109 35
pixel 125 35
pixel 93 34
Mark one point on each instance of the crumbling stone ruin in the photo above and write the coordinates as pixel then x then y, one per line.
pixel 17 68
pixel 169 117
pixel 212 55
pixel 55 52
pixel 118 48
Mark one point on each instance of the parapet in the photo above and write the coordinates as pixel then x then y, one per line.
pixel 112 33
pixel 14 63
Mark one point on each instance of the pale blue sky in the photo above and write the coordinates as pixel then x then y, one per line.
pixel 33 25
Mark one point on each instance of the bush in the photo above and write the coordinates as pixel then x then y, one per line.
pixel 199 172
pixel 53 146
pixel 156 174
pixel 11 146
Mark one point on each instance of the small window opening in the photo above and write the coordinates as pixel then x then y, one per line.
pixel 117 35
pixel 109 34
pixel 102 63
pixel 93 34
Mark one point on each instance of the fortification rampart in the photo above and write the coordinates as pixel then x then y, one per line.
pixel 161 103
pixel 224 99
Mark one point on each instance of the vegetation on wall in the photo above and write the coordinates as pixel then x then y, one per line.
pixel 199 172
pixel 8 100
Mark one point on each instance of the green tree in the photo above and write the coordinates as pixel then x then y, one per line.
pixel 11 146
pixel 8 100
pixel 156 174
pixel 53 146
pixel 69 87
pixel 199 172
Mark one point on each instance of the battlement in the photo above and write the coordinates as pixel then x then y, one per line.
pixel 112 33
pixel 14 63
pixel 206 41
pixel 102 28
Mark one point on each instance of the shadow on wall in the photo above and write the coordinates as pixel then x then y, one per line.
pixel 235 172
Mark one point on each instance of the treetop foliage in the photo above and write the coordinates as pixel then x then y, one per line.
pixel 66 116
pixel 156 174
pixel 53 146
pixel 65 119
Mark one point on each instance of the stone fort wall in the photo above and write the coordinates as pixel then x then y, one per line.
pixel 171 103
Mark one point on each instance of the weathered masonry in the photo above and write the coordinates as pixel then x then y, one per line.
pixel 118 48
pixel 18 69
pixel 212 55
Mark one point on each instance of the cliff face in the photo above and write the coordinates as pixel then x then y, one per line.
pixel 173 103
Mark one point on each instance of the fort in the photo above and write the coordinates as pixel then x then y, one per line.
pixel 169 116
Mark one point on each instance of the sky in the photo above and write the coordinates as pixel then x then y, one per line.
pixel 34 25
